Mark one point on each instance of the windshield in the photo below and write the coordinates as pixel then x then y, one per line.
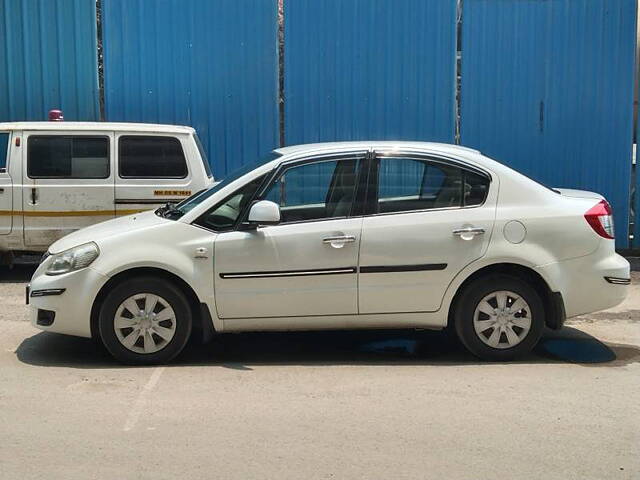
pixel 203 156
pixel 176 211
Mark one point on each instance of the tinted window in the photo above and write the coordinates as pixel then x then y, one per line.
pixel 315 190
pixel 55 156
pixel 476 188
pixel 4 145
pixel 406 184
pixel 151 157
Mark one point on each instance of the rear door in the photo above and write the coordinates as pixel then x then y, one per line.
pixel 68 183
pixel 429 218
pixel 152 170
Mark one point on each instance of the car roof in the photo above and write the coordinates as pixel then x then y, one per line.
pixel 109 126
pixel 373 144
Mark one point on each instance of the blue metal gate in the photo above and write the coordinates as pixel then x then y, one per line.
pixel 369 69
pixel 547 88
pixel 208 64
pixel 48 59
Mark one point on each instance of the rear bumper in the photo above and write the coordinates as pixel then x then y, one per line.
pixel 590 284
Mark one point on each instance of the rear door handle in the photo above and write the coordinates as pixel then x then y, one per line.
pixel 468 233
pixel 339 240
pixel 34 196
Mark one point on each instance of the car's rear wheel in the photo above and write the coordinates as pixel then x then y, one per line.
pixel 145 321
pixel 499 317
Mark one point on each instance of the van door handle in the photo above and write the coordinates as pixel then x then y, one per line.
pixel 34 196
pixel 468 233
pixel 339 241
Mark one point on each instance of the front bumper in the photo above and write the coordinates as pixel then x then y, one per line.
pixel 69 296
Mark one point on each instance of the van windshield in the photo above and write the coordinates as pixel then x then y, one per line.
pixel 176 211
pixel 203 156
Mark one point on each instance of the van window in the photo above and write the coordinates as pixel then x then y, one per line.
pixel 4 146
pixel 151 157
pixel 64 156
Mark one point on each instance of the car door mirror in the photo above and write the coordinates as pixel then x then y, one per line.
pixel 264 212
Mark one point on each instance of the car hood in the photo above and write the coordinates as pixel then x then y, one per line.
pixel 569 192
pixel 101 230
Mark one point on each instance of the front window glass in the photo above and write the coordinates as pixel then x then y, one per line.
pixel 4 147
pixel 315 190
pixel 56 156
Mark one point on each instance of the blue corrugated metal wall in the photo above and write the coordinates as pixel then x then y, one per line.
pixel 547 87
pixel 208 64
pixel 48 59
pixel 369 69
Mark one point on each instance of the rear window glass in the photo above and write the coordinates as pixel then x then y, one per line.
pixel 58 156
pixel 151 157
pixel 4 145
pixel 476 188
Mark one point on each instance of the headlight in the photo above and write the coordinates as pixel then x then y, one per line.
pixel 73 259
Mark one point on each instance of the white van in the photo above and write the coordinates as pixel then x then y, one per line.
pixel 57 177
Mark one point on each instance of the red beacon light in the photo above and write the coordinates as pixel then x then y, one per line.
pixel 56 116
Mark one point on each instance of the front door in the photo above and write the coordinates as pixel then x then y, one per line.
pixel 430 218
pixel 68 184
pixel 306 265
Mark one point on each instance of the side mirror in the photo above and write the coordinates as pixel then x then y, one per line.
pixel 264 212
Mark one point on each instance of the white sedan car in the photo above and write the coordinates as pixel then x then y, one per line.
pixel 340 236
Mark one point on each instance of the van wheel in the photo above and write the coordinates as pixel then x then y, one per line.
pixel 145 321
pixel 499 317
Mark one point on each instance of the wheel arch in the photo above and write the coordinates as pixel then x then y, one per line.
pixel 202 327
pixel 552 301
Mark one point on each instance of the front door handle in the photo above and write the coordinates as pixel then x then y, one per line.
pixel 468 233
pixel 339 241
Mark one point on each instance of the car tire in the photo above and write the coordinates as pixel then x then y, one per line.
pixel 156 333
pixel 496 332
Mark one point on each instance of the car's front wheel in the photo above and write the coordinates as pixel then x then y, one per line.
pixel 499 317
pixel 145 320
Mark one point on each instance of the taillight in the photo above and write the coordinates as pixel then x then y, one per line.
pixel 600 217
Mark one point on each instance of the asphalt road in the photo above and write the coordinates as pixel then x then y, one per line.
pixel 335 405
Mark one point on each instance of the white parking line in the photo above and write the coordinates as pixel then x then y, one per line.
pixel 135 412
